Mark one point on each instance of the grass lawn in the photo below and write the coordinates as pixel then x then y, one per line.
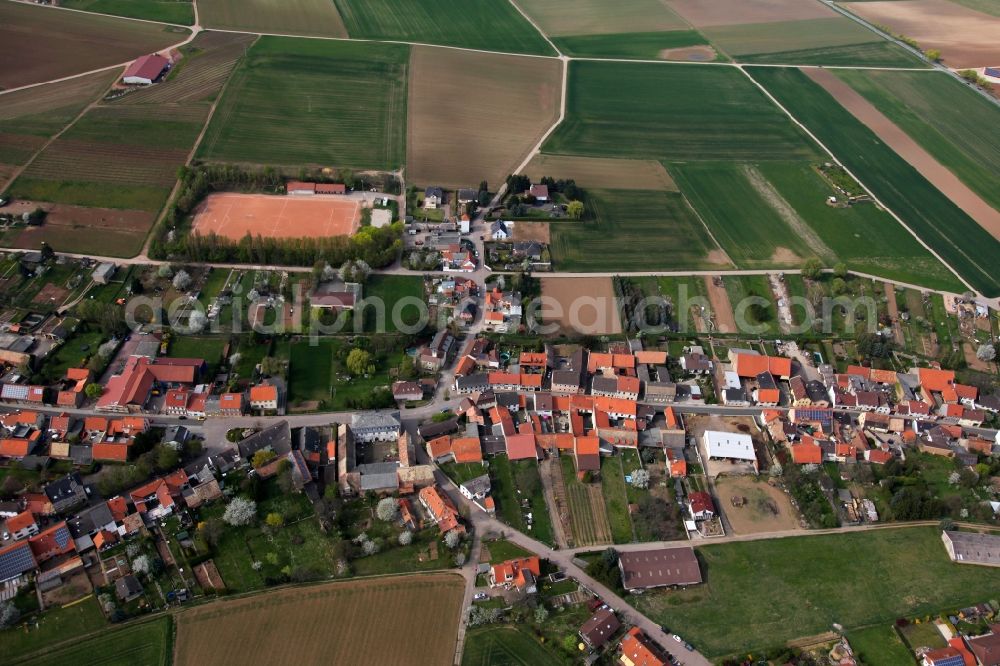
pixel 676 112
pixel 58 624
pixel 514 481
pixel 479 25
pixel 462 472
pixel 505 646
pixel 400 559
pixel 661 222
pixel 386 291
pixel 165 11
pixel 73 352
pixel 764 317
pixel 502 550
pixel 616 499
pixel 300 101
pixel 880 645
pixel 251 353
pixel 753 588
pixel 936 219
pixel 208 347
pixel 944 116
pixel 630 462
pixel 147 643
pixel 310 370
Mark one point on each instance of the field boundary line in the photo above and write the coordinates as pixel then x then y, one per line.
pixel 836 160
pixel 536 27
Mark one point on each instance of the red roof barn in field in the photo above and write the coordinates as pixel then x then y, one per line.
pixel 146 69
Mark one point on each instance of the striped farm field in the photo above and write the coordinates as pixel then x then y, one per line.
pixel 473 24
pixel 639 45
pixel 945 117
pixel 588 517
pixel 559 18
pixel 397 620
pixel 42 44
pixel 955 236
pixel 300 101
pixel 683 112
pixel 201 73
pixel 146 643
pixel 603 172
pixel 115 157
pixel 317 18
pixel 869 54
pixel 490 139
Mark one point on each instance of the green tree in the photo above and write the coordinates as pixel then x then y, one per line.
pixel 838 286
pixel 934 55
pixel 358 361
pixel 262 457
pixel 167 457
pixel 575 209
pixel 812 269
pixel 94 390
pixel 840 269
pixel 274 520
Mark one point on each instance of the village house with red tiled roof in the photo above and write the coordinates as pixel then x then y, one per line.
pixel 520 574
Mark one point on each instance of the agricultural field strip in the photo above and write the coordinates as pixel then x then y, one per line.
pixel 123 18
pixel 774 100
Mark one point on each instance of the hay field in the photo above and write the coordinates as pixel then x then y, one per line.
pixel 598 316
pixel 965 37
pixel 398 620
pixel 41 44
pixel 300 101
pixel 944 116
pixel 456 139
pixel 202 72
pixel 683 112
pixel 290 17
pixel 640 229
pixel 603 172
pixel 558 18
pixel 28 117
pixel 474 24
pixel 937 220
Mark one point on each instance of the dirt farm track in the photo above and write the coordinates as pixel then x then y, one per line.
pixel 397 620
pixel 236 215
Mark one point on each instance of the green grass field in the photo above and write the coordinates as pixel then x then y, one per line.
pixel 208 347
pixel 880 645
pixel 947 118
pixel 310 373
pixel 869 54
pixel 753 588
pixel 682 112
pixel 505 646
pixel 165 11
pixel 642 45
pixel 390 290
pixel 479 24
pixel 146 643
pixel 58 624
pixel 740 287
pixel 558 18
pixel 661 222
pixel 729 199
pixel 616 499
pixel 939 222
pixel 298 101
pixel 863 236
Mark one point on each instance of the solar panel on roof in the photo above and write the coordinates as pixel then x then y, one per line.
pixel 16 561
